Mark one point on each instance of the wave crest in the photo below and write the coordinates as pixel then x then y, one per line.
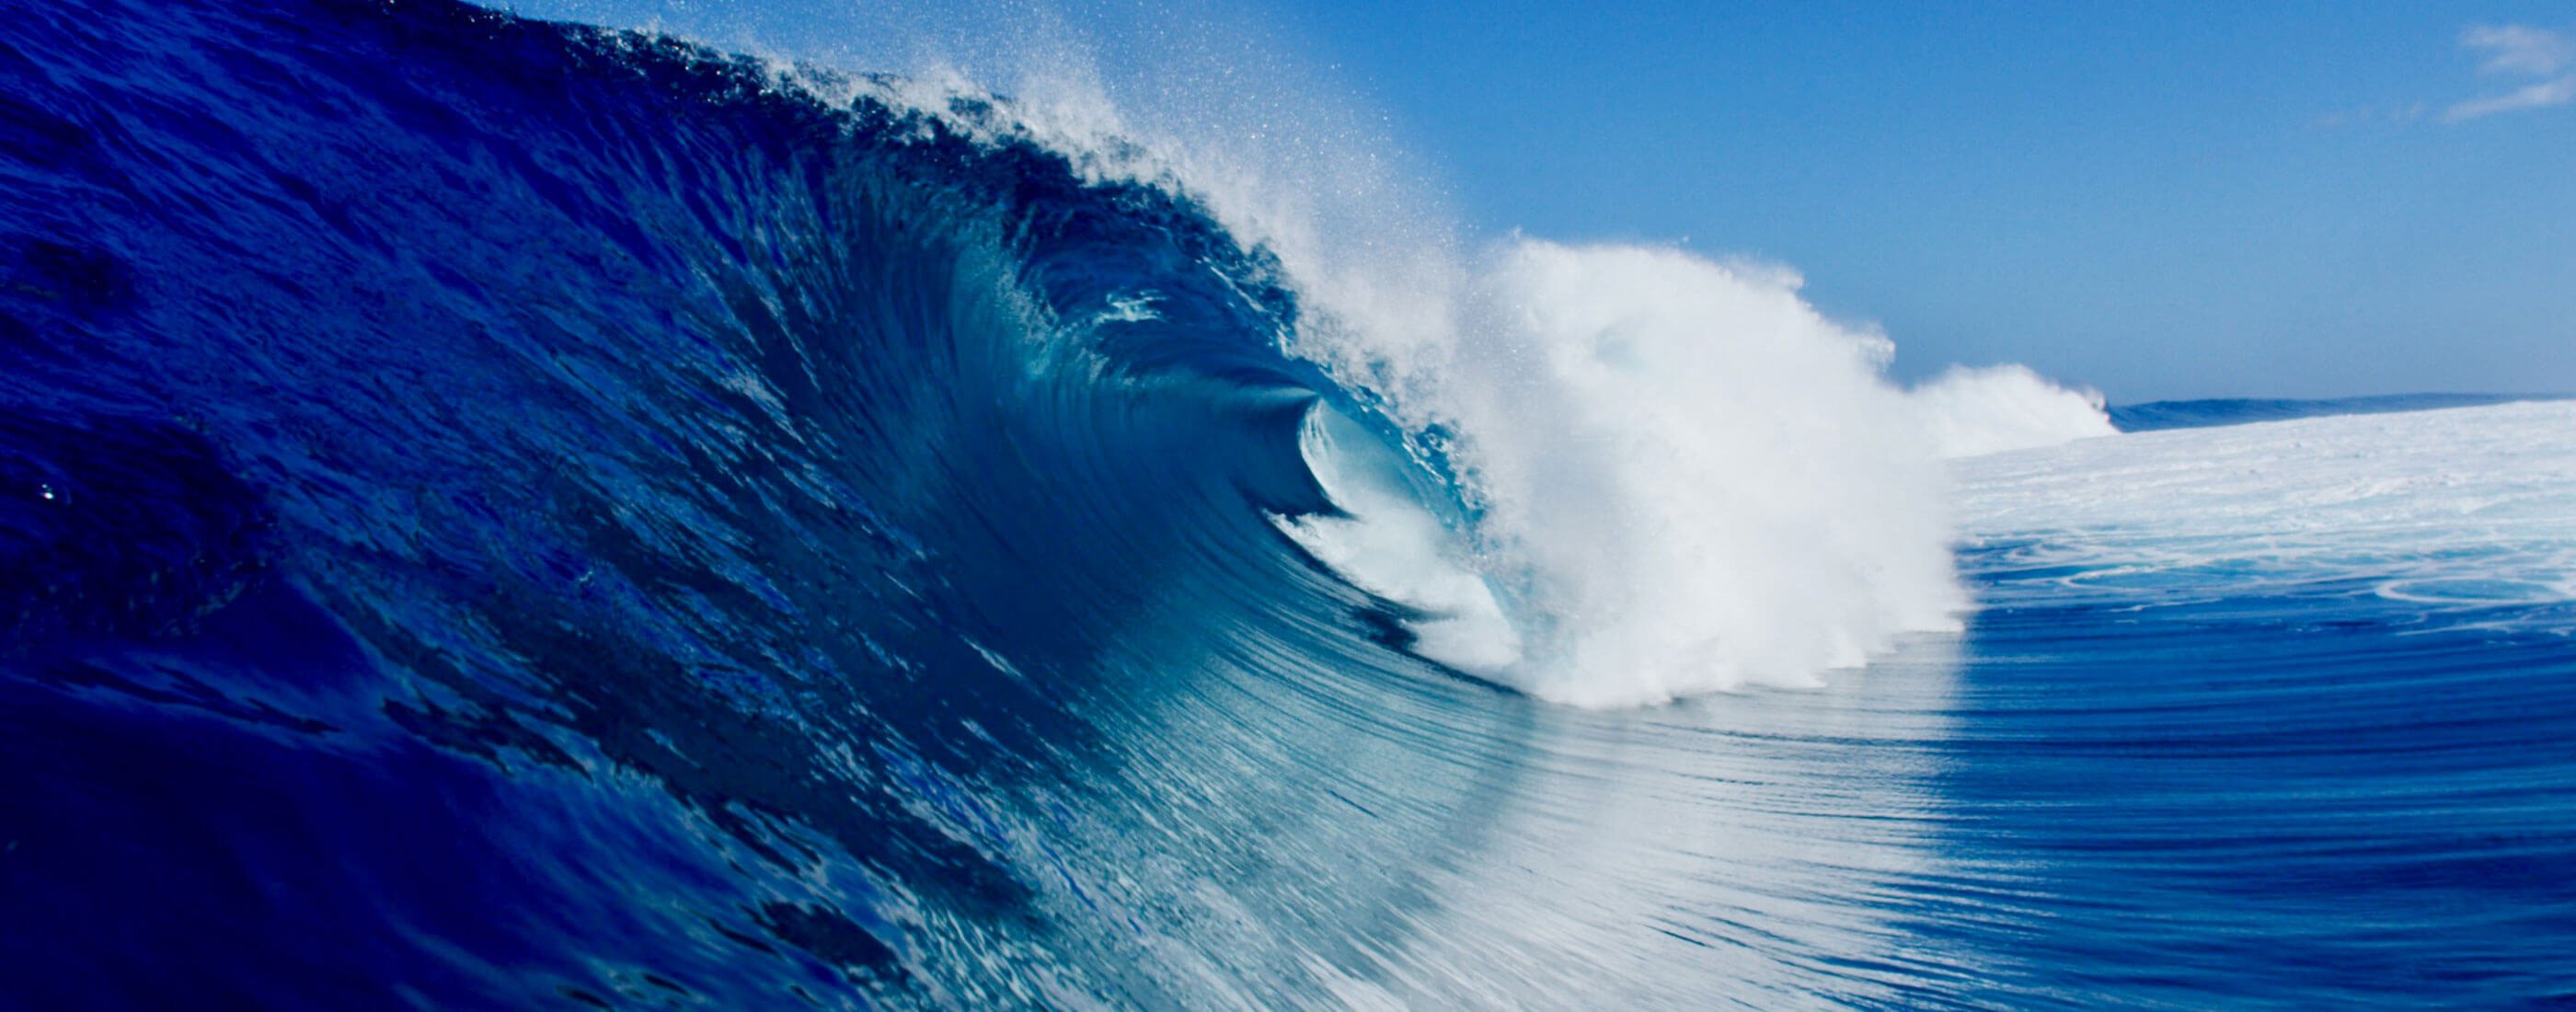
pixel 1973 412
pixel 1691 479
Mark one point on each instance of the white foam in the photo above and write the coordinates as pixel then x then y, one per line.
pixel 1972 412
pixel 2471 506
pixel 1689 480
pixel 1693 478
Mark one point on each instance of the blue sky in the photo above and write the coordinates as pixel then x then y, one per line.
pixel 2159 200
pixel 2163 200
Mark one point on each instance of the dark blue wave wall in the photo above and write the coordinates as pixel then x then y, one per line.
pixel 496 514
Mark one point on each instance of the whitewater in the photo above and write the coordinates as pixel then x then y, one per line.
pixel 501 513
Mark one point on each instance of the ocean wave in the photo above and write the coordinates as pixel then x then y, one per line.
pixel 507 514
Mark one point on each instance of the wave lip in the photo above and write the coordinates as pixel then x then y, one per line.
pixel 1383 537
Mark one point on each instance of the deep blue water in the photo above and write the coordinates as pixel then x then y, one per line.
pixel 498 515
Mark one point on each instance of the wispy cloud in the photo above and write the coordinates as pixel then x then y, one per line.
pixel 2531 96
pixel 2518 51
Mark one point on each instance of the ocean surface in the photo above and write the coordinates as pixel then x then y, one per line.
pixel 2193 414
pixel 498 514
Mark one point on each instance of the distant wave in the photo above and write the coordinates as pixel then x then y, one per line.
pixel 1972 412
pixel 2155 415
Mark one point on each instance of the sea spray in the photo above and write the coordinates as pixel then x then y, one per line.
pixel 1971 412
pixel 1699 478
